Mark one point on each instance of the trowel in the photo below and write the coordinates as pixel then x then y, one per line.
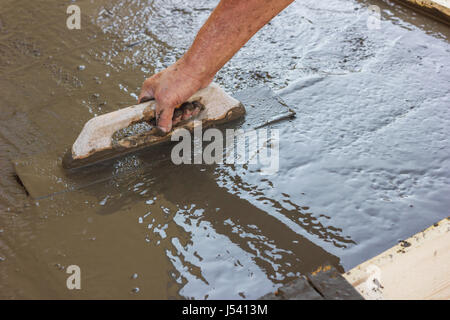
pixel 126 140
pixel 133 128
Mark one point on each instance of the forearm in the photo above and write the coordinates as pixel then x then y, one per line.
pixel 229 27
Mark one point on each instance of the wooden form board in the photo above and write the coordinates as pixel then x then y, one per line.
pixel 416 268
pixel 437 9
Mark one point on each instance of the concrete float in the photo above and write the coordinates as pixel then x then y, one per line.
pixel 43 175
pixel 96 143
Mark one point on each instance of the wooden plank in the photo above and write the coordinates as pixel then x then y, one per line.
pixel 43 176
pixel 437 9
pixel 416 268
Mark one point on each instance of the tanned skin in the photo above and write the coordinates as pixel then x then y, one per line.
pixel 228 28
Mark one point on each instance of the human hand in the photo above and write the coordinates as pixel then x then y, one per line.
pixel 170 88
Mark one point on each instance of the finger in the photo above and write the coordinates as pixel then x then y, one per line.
pixel 191 109
pixel 144 99
pixel 164 119
pixel 188 108
pixel 177 116
pixel 146 94
pixel 198 107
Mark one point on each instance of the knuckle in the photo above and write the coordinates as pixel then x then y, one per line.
pixel 165 101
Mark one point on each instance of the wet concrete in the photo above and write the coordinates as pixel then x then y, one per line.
pixel 364 164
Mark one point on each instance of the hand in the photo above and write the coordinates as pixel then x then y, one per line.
pixel 170 88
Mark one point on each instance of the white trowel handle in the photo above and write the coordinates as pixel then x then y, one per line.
pixel 97 133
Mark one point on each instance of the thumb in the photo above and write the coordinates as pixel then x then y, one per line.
pixel 146 93
pixel 145 96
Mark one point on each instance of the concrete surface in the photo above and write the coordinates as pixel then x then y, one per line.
pixel 364 164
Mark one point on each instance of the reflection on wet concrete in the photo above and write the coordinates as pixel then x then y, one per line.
pixel 219 244
pixel 363 165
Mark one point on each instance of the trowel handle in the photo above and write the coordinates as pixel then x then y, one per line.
pixel 97 133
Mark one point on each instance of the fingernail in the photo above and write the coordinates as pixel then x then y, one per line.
pixel 161 131
pixel 144 99
pixel 165 129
